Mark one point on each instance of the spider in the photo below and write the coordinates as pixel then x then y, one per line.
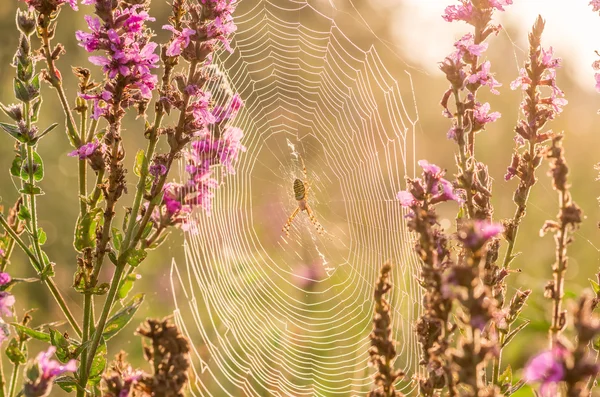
pixel 301 190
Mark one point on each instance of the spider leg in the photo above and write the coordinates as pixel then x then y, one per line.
pixel 306 183
pixel 288 224
pixel 314 221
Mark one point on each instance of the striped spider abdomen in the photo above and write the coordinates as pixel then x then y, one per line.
pixel 299 190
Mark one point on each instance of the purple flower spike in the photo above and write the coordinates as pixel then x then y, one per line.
pixel 87 150
pixel 477 233
pixel 7 300
pixel 5 278
pixel 467 45
pixel 431 187
pixel 180 40
pixel 462 12
pixel 406 198
pixel 39 380
pixel 51 368
pixel 484 77
pixel 548 368
pixel 482 116
pixel 39 4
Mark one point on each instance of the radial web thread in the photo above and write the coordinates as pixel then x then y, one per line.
pixel 271 315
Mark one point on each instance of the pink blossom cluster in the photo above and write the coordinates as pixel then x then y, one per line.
pixel 43 371
pixel 467 13
pixel 476 234
pixel 556 100
pixel 431 188
pixel 462 68
pixel 205 153
pixel 87 150
pixel 216 26
pixel 547 368
pixel 130 56
pixel 43 6
pixel 220 25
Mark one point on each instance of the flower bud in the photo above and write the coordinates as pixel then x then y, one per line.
pixel 26 22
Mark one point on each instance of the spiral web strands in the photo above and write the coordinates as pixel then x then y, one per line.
pixel 271 315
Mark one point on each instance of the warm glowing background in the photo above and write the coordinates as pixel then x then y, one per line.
pixel 409 35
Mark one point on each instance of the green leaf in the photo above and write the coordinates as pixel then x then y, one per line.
pixel 15 168
pixel 101 289
pixel 25 70
pixel 98 364
pixel 47 130
pixel 24 213
pixel 159 240
pixel 135 256
pixel 42 237
pixel 35 110
pixel 39 335
pixel 117 322
pixel 127 285
pixel 67 383
pixel 85 231
pixel 140 160
pixel 61 343
pixel 117 238
pixel 595 286
pixel 514 332
pixel 31 189
pixel 113 257
pixel 21 91
pixel 35 83
pixel 15 132
pixel 505 379
pixel 147 229
pixel 15 355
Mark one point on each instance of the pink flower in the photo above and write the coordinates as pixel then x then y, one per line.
pixel 522 81
pixel 128 52
pixel 7 300
pixel 484 77
pixel 87 150
pixel 39 380
pixel 548 368
pixel 180 40
pixel 595 5
pixel 406 198
pixel 432 187
pixel 467 44
pixel 500 4
pixel 40 5
pixel 597 77
pixel 462 12
pixel 230 111
pixel 482 116
pixel 5 279
pixel 477 233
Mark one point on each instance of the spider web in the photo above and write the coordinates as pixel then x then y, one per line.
pixel 271 315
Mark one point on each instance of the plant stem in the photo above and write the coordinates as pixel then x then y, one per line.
pixel 87 298
pixel 102 320
pixel 57 84
pixel 161 183
pixel 559 273
pixel 2 381
pixel 152 142
pixel 15 374
pixel 48 281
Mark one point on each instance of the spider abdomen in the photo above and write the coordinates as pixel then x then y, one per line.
pixel 299 190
